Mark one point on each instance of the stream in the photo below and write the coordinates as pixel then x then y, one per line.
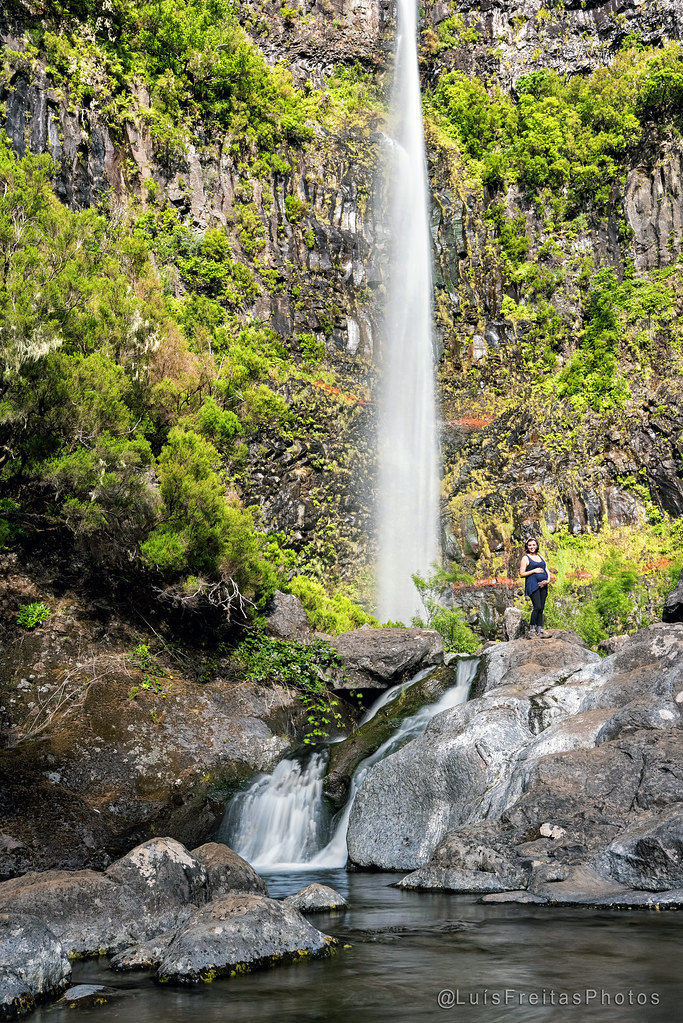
pixel 406 947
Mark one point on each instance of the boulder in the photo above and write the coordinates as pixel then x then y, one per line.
pixel 34 964
pixel 612 644
pixel 164 876
pixel 451 879
pixel 87 996
pixel 377 658
pixel 87 912
pixel 316 898
pixel 673 605
pixel 443 778
pixel 235 934
pixel 513 623
pixel 227 872
pixel 146 955
pixel 16 998
pixel 149 890
pixel 649 854
pixel 286 618
pixel 518 662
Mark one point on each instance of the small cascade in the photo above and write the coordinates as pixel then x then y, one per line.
pixel 280 820
pixel 334 854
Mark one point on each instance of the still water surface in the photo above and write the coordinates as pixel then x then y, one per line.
pixel 406 947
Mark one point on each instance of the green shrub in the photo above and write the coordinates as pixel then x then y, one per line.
pixel 312 350
pixel 31 615
pixel 332 614
pixel 295 208
pixel 311 669
pixel 449 623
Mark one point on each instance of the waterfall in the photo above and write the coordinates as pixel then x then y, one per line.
pixel 408 459
pixel 280 821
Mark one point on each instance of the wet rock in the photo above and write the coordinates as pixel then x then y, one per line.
pixel 33 963
pixel 227 872
pixel 286 618
pixel 551 764
pixel 345 756
pixel 451 879
pixel 377 658
pixel 673 605
pixel 521 898
pixel 649 854
pixel 87 912
pixel 146 955
pixel 235 934
pixel 87 996
pixel 408 801
pixel 316 898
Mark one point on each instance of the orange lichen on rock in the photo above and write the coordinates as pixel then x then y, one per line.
pixel 352 399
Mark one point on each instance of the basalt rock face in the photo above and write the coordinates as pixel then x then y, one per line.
pixel 561 763
pixel 507 40
pixel 673 605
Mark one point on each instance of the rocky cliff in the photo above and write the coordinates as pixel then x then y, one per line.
pixel 311 240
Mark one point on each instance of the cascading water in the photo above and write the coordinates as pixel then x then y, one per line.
pixel 334 854
pixel 279 821
pixel 408 458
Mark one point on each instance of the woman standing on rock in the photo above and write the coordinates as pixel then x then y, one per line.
pixel 534 570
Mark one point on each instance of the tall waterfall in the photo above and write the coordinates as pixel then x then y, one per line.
pixel 279 821
pixel 408 460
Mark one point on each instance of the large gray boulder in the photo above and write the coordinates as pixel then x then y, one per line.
pixel 286 618
pixel 316 898
pixel 33 964
pixel 649 854
pixel 147 892
pixel 164 876
pixel 238 933
pixel 88 912
pixel 560 755
pixel 377 658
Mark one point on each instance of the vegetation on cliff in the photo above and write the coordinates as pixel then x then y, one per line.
pixel 129 333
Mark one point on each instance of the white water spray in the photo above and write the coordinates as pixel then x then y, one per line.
pixel 279 821
pixel 408 459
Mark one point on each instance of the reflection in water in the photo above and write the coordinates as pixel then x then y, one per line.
pixel 408 946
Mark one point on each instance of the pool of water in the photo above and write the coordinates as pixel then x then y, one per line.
pixel 416 956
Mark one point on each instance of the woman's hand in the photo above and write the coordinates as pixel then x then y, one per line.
pixel 542 582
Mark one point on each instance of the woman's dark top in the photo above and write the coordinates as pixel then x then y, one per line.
pixel 531 581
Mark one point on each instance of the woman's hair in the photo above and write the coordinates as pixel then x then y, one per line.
pixel 528 541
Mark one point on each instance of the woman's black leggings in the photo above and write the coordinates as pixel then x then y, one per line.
pixel 538 599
